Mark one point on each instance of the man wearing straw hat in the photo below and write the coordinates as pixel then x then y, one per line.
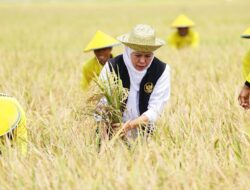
pixel 101 44
pixel 146 77
pixel 245 92
pixel 13 130
pixel 184 36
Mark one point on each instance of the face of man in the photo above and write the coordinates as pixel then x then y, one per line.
pixel 141 60
pixel 103 55
pixel 183 31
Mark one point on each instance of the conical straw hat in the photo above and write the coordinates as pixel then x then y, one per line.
pixel 142 38
pixel 101 40
pixel 246 33
pixel 182 21
pixel 9 115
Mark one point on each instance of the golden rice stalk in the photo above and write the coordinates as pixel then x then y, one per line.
pixel 110 99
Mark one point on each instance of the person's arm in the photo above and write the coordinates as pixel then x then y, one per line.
pixel 172 40
pixel 195 40
pixel 246 67
pixel 86 79
pixel 244 96
pixel 245 91
pixel 139 121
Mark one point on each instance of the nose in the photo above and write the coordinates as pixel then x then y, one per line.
pixel 142 59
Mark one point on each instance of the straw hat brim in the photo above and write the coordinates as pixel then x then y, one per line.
pixel 10 117
pixel 100 40
pixel 183 26
pixel 143 46
pixel 101 47
pixel 245 36
pixel 182 21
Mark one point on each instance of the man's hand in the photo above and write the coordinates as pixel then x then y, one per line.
pixel 244 97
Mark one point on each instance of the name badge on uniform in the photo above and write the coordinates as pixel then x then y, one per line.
pixel 148 87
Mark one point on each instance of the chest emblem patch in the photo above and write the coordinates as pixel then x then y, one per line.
pixel 148 87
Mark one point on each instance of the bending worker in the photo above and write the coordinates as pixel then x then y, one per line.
pixel 102 45
pixel 245 92
pixel 13 132
pixel 146 77
pixel 184 36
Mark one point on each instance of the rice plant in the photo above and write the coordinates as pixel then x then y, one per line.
pixel 108 100
pixel 202 138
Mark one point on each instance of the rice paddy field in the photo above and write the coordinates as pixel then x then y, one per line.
pixel 202 139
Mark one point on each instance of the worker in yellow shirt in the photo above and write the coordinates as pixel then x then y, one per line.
pixel 184 36
pixel 102 45
pixel 245 92
pixel 13 132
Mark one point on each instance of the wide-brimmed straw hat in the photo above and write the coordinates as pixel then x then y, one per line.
pixel 182 21
pixel 246 33
pixel 101 40
pixel 9 115
pixel 141 38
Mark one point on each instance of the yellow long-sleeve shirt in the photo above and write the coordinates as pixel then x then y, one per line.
pixel 246 67
pixel 192 39
pixel 89 69
pixel 18 136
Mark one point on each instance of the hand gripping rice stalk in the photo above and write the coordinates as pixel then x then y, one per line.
pixel 111 100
